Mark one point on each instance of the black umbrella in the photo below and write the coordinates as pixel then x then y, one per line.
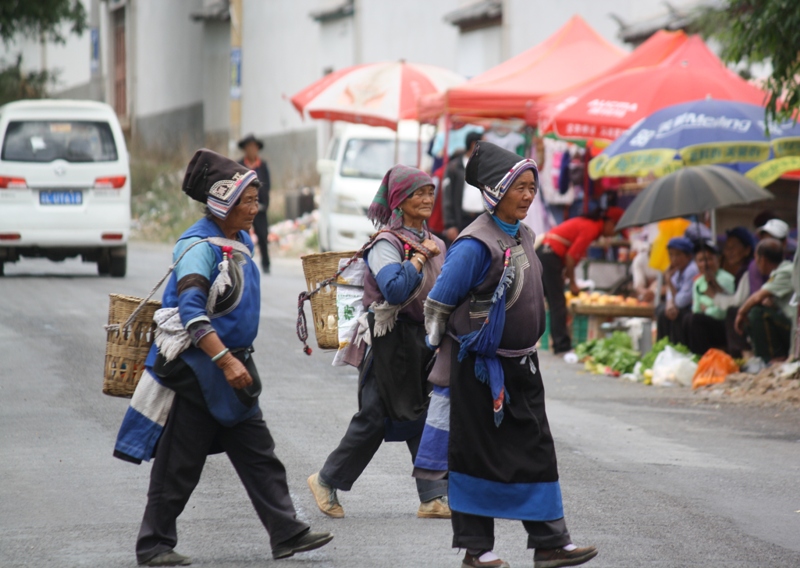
pixel 691 191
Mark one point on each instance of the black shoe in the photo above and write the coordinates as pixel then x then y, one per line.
pixel 168 558
pixel 303 542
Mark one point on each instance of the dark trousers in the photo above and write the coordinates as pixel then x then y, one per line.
pixel 553 282
pixel 180 457
pixel 477 533
pixel 735 340
pixel 770 332
pixel 704 333
pixel 363 438
pixel 261 228
pixel 675 329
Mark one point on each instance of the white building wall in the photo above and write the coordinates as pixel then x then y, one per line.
pixel 169 48
pixel 336 45
pixel 479 50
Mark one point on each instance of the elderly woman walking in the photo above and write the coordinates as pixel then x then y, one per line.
pixel 206 371
pixel 487 313
pixel 404 260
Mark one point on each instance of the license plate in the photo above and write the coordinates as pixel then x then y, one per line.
pixel 61 197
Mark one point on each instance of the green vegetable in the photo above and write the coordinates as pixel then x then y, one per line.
pixel 649 359
pixel 615 352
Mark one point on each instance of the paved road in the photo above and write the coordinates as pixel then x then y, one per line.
pixel 652 477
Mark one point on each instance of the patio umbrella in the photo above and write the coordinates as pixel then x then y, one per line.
pixel 707 131
pixel 377 94
pixel 691 191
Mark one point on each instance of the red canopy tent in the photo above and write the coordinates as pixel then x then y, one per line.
pixel 609 106
pixel 652 52
pixel 571 56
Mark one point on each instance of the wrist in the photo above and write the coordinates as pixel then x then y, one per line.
pixel 220 356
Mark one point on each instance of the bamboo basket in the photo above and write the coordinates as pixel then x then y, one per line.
pixel 127 349
pixel 318 268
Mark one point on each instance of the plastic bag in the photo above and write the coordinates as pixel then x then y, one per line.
pixel 350 306
pixel 714 366
pixel 673 367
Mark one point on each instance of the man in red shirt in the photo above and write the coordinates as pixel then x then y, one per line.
pixel 562 249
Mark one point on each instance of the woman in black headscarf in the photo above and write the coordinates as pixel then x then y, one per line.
pixel 486 312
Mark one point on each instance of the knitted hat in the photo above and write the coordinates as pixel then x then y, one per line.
pixel 216 181
pixel 493 170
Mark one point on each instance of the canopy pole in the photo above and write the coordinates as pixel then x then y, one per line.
pixel 419 144
pixel 445 153
pixel 714 224
pixel 397 143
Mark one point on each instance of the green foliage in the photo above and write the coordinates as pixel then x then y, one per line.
pixel 15 84
pixel 41 18
pixel 753 31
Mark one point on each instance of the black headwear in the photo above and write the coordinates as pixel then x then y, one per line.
pixel 493 169
pixel 216 181
pixel 250 138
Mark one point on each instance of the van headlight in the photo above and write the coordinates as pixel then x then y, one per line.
pixel 347 206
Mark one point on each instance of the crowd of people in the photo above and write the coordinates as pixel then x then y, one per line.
pixel 736 298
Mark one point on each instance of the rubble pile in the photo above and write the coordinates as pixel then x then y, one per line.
pixel 777 384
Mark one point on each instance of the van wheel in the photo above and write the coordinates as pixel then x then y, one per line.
pixel 2 270
pixel 118 265
pixel 104 267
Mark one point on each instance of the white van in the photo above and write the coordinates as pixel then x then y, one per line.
pixel 64 183
pixel 350 174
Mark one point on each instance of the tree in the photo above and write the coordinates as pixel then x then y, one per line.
pixel 16 84
pixel 41 18
pixel 755 31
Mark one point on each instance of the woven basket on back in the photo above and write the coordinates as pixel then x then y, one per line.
pixel 127 349
pixel 318 268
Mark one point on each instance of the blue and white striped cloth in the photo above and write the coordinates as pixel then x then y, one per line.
pixel 432 453
pixel 144 420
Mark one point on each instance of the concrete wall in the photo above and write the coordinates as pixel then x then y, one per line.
pixel 216 89
pixel 479 50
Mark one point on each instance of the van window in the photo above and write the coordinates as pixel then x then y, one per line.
pixel 371 158
pixel 48 140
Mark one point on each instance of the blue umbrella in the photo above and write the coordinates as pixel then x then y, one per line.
pixel 707 131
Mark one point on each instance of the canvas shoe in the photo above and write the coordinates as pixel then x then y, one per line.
pixel 325 496
pixel 168 558
pixel 303 542
pixel 475 562
pixel 434 509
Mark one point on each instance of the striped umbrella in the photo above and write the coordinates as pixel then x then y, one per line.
pixel 377 94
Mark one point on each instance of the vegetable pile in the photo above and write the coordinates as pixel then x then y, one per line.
pixel 613 355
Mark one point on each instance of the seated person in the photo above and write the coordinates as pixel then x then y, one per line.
pixel 767 312
pixel 678 282
pixel 645 278
pixel 772 228
pixel 737 252
pixel 705 326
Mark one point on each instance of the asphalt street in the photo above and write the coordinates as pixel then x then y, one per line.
pixel 652 477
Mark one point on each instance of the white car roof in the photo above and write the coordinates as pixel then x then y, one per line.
pixel 409 130
pixel 60 108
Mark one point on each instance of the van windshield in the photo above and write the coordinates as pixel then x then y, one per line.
pixel 371 158
pixel 48 140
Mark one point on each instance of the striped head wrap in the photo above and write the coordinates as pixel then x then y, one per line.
pixel 493 170
pixel 216 181
pixel 399 183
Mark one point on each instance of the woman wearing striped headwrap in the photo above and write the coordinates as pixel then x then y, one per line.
pixel 404 259
pixel 486 314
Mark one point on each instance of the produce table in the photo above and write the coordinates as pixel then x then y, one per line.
pixel 612 311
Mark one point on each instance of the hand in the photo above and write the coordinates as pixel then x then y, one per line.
pixel 574 288
pixel 672 311
pixel 451 234
pixel 768 302
pixel 431 246
pixel 738 325
pixel 235 372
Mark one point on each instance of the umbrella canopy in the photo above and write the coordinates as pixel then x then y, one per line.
pixel 377 94
pixel 571 56
pixel 691 191
pixel 612 105
pixel 699 132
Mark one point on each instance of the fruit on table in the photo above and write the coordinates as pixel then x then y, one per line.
pixel 599 299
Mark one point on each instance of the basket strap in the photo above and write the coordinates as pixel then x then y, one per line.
pixel 218 241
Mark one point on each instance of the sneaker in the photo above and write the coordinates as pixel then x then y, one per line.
pixel 557 557
pixel 434 509
pixel 475 562
pixel 168 558
pixel 303 542
pixel 325 496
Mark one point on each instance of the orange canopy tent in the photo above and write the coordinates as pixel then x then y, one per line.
pixel 652 52
pixel 609 106
pixel 571 56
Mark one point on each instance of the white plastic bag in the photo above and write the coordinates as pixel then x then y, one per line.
pixel 673 368
pixel 349 305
